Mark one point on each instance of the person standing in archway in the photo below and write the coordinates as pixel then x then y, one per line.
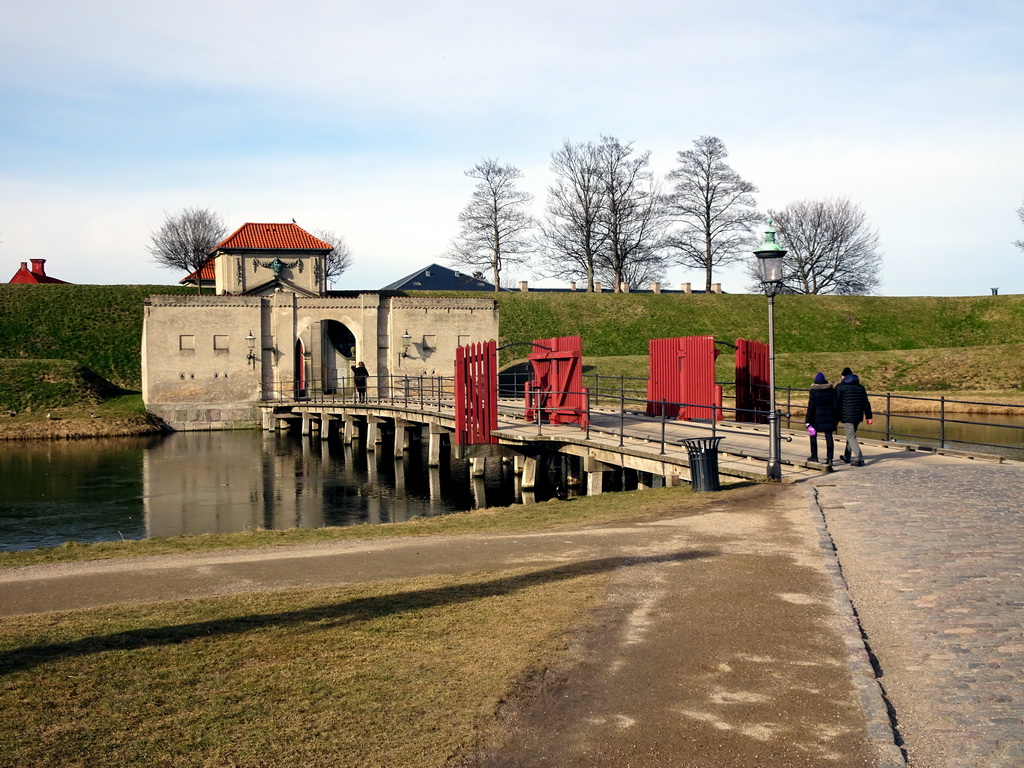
pixel 360 375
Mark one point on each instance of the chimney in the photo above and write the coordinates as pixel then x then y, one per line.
pixel 623 287
pixel 655 287
pixel 38 268
pixel 572 285
pixel 524 286
pixel 716 287
pixel 686 288
pixel 597 286
pixel 995 291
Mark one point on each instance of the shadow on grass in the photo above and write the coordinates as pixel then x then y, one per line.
pixel 338 614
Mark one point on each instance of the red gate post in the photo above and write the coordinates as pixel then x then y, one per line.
pixel 476 393
pixel 557 384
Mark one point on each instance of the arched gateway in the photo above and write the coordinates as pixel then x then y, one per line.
pixel 273 330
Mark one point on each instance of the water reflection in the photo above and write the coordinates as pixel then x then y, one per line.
pixel 219 482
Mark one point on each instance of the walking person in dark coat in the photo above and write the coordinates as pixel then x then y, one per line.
pixel 852 401
pixel 822 417
pixel 360 375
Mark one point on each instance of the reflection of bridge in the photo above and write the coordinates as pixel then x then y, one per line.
pixel 616 436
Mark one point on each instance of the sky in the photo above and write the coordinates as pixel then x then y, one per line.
pixel 362 118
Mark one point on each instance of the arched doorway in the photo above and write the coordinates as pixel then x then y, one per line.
pixel 300 370
pixel 339 355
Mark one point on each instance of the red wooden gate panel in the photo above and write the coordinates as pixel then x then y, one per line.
pixel 753 398
pixel 557 384
pixel 682 371
pixel 476 393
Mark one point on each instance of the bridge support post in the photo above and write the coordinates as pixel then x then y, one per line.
pixel 572 472
pixel 529 481
pixel 307 422
pixel 673 481
pixel 269 421
pixel 325 426
pixel 401 439
pixel 476 466
pixel 517 464
pixel 348 430
pixel 372 434
pixel 644 481
pixel 595 483
pixel 434 447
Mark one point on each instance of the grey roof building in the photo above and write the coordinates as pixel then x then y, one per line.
pixel 438 278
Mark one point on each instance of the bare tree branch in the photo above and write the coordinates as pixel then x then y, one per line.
pixel 495 226
pixel 1020 215
pixel 632 220
pixel 572 236
pixel 713 207
pixel 185 240
pixel 831 248
pixel 340 257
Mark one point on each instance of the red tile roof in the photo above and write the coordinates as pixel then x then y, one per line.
pixel 276 237
pixel 206 273
pixel 37 274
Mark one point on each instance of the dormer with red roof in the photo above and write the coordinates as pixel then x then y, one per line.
pixel 257 259
pixel 37 274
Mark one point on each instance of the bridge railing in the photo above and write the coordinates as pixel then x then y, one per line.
pixel 423 391
pixel 941 421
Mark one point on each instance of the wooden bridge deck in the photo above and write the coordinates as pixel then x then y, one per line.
pixel 631 440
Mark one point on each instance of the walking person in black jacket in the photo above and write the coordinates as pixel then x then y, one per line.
pixel 852 401
pixel 822 416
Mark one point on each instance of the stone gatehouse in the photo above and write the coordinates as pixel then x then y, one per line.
pixel 207 361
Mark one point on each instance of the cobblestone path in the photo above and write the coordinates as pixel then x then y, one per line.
pixel 932 549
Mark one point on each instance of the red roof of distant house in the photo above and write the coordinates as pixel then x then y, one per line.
pixel 275 237
pixel 35 274
pixel 207 273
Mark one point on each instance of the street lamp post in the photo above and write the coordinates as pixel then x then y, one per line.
pixel 769 264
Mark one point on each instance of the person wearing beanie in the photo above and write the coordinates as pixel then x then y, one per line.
pixel 853 406
pixel 821 417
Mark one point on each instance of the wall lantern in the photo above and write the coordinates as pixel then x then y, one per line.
pixel 250 341
pixel 406 342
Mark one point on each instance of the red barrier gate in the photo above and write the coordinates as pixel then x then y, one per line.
pixel 476 393
pixel 753 397
pixel 682 371
pixel 557 386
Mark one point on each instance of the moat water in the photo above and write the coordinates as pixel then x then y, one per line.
pixel 219 482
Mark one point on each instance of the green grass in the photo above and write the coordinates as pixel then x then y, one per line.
pixel 99 326
pixel 997 368
pixel 548 515
pixel 46 384
pixel 394 675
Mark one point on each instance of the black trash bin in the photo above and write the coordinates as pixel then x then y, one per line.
pixel 703 454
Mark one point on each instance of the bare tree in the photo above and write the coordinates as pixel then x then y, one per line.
pixel 830 247
pixel 1020 215
pixel 572 233
pixel 185 240
pixel 632 220
pixel 495 226
pixel 713 207
pixel 340 257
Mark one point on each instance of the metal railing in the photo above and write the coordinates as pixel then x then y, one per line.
pixel 946 425
pixel 435 392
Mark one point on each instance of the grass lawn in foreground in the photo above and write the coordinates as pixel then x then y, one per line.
pixel 392 675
